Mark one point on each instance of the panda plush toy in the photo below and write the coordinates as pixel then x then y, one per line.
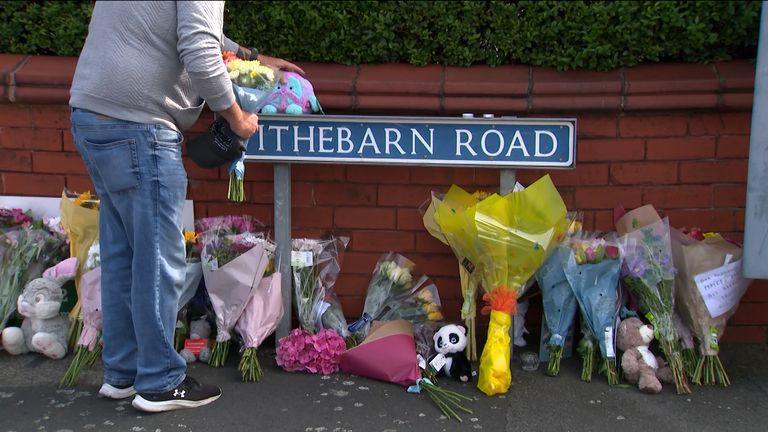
pixel 450 342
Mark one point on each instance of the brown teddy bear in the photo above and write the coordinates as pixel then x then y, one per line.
pixel 639 364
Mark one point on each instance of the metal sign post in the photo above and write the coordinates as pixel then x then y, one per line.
pixel 506 143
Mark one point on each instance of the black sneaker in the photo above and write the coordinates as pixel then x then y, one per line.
pixel 188 394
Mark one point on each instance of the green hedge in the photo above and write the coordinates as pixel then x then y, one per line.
pixel 598 35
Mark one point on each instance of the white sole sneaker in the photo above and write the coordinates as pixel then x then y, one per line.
pixel 111 392
pixel 169 405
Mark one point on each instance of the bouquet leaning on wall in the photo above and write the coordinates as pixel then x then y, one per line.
pixel 649 273
pixel 708 287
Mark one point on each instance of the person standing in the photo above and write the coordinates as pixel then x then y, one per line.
pixel 145 72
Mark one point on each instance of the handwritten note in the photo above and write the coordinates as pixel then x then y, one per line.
pixel 722 287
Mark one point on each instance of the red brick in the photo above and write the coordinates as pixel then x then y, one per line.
pixel 678 196
pixel 729 170
pixel 312 217
pixel 79 183
pixel 343 194
pixel 737 123
pixel 262 213
pixel 586 174
pixel 31 139
pixel 383 241
pixel 707 220
pixel 441 175
pixel 351 285
pixel 750 314
pixel 403 196
pixel 15 116
pixel 406 104
pixel 603 221
pixel 207 190
pixel 737 75
pixel 507 80
pixel 653 126
pixel 608 197
pixel 425 242
pixel 58 163
pixel 634 173
pixel 680 148
pixel 433 264
pixel 577 82
pixel 736 101
pixel 359 262
pixel 669 102
pixel 399 79
pixel 735 146
pixel 376 174
pixel 663 78
pixel 613 150
pixel 597 126
pixel 315 172
pixel 744 335
pixel 739 216
pixel 302 194
pixel 255 171
pixel 705 124
pixel 352 306
pixel 51 117
pixel 195 172
pixel 15 160
pixel 258 192
pixel 32 184
pixel 409 219
pixel 756 292
pixel 605 102
pixel 364 217
pixel 730 195
pixel 456 105
pixel 328 77
pixel 68 141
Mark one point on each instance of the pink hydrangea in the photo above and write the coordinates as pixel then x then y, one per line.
pixel 301 351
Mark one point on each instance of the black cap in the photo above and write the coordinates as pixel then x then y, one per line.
pixel 217 146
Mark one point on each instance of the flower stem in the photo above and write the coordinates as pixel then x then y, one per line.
pixel 235 192
pixel 555 354
pixel 249 367
pixel 610 371
pixel 219 354
pixel 675 360
pixel 710 371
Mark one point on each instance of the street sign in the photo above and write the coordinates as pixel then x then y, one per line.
pixel 501 142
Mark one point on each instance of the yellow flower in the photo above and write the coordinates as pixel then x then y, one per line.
pixel 190 237
pixel 432 308
pixel 710 234
pixel 87 200
pixel 480 195
pixel 425 295
pixel 435 316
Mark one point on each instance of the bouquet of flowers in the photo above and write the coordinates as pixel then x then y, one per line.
pixel 649 273
pixel 391 279
pixel 233 265
pixel 421 304
pixel 80 219
pixel 516 234
pixel 27 251
pixel 194 271
pixel 592 266
pixel 259 319
pixel 558 300
pixel 315 265
pixel 450 218
pixel 88 348
pixel 320 352
pixel 708 287
pixel 252 82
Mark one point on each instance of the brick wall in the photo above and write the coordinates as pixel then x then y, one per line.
pixel 672 135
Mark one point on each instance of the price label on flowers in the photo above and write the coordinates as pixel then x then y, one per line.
pixel 487 142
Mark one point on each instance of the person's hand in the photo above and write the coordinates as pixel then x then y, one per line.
pixel 246 125
pixel 242 123
pixel 280 64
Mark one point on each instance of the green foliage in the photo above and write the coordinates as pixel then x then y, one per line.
pixel 597 35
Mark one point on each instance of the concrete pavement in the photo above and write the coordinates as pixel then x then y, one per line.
pixel 30 400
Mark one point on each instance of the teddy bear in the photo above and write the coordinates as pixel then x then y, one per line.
pixel 639 364
pixel 450 341
pixel 44 329
pixel 200 331
pixel 296 96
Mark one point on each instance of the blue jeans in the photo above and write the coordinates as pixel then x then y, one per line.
pixel 141 182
